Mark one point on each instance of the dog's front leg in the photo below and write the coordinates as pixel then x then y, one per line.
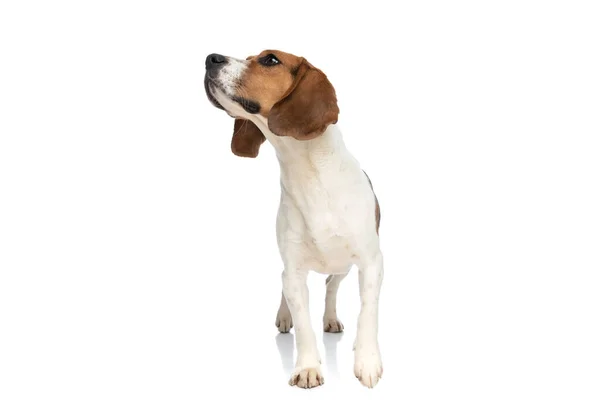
pixel 307 373
pixel 367 359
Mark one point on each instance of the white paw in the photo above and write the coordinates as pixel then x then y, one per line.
pixel 307 378
pixel 332 324
pixel 368 367
pixel 283 322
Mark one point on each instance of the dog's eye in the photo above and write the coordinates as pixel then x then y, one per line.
pixel 269 60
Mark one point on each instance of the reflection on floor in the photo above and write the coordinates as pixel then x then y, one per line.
pixel 285 345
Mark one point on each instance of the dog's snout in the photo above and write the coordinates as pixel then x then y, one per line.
pixel 215 60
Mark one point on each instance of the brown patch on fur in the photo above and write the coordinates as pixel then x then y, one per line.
pixel 268 84
pixel 377 210
pixel 246 139
pixel 377 213
pixel 308 107
pixel 296 98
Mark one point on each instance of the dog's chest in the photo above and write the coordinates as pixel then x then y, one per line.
pixel 326 220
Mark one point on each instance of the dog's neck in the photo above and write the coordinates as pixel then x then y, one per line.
pixel 320 152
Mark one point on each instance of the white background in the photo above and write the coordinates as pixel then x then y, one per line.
pixel 137 253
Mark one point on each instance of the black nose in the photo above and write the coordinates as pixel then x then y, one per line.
pixel 215 61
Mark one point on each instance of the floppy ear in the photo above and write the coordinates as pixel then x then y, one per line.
pixel 307 108
pixel 246 139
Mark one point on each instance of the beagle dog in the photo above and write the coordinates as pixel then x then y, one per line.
pixel 328 218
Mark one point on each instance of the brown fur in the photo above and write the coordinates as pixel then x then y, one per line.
pixel 296 98
pixel 377 210
pixel 377 213
pixel 309 106
pixel 246 139
pixel 268 85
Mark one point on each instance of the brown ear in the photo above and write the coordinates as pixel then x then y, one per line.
pixel 307 108
pixel 246 139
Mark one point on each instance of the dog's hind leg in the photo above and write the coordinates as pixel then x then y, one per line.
pixel 284 322
pixel 331 323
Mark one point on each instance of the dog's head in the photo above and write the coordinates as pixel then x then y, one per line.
pixel 290 94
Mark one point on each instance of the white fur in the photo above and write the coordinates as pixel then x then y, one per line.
pixel 326 223
pixel 231 73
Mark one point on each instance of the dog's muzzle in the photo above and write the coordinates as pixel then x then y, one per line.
pixel 214 62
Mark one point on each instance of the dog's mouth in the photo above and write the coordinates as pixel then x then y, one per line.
pixel 250 106
pixel 209 84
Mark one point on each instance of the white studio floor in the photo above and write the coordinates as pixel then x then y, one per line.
pixel 173 334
